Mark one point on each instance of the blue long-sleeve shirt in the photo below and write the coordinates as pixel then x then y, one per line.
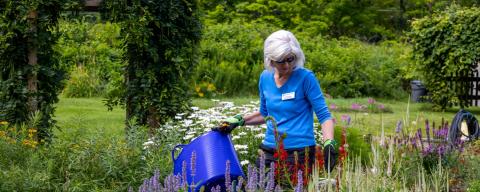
pixel 292 106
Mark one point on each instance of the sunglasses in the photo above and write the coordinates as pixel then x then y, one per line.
pixel 288 59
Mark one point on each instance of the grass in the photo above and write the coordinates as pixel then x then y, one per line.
pixel 370 122
pixel 90 116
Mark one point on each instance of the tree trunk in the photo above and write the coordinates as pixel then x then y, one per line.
pixel 153 120
pixel 33 62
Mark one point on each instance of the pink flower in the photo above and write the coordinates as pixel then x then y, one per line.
pixel 371 101
pixel 333 107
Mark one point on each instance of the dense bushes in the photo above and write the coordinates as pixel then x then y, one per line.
pixel 232 60
pixel 351 68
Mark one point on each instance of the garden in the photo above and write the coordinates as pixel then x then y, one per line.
pixel 100 99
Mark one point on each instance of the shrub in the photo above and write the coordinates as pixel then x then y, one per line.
pixel 444 44
pixel 349 68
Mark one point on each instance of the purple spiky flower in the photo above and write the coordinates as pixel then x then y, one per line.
pixel 427 130
pixel 261 179
pixel 398 129
pixel 240 183
pixel 228 181
pixel 299 187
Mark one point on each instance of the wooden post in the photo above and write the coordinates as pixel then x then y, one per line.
pixel 32 80
pixel 92 5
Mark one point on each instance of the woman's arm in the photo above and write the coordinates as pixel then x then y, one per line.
pixel 255 118
pixel 327 130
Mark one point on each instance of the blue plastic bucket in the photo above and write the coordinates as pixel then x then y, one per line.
pixel 212 150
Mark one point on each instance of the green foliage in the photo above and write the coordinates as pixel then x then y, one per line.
pixel 92 52
pixel 350 68
pixel 18 36
pixel 232 57
pixel 366 20
pixel 161 41
pixel 444 44
pixel 82 84
pixel 357 146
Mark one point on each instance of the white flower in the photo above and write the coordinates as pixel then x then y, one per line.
pixel 187 122
pixel 240 147
pixel 235 137
pixel 178 117
pixel 188 137
pixel 243 152
pixel 148 143
pixel 259 136
pixel 195 108
pixel 244 162
pixel 242 133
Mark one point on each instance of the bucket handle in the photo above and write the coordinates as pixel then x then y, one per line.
pixel 174 149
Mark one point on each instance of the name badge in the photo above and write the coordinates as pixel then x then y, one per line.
pixel 288 96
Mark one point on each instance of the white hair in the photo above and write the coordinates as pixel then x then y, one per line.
pixel 280 44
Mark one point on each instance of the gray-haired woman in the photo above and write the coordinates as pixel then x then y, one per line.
pixel 290 94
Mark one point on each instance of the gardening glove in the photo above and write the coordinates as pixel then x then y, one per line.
pixel 329 154
pixel 230 123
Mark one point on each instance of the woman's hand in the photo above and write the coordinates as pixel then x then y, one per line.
pixel 229 124
pixel 329 154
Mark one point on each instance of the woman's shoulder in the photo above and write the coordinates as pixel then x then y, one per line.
pixel 266 72
pixel 303 72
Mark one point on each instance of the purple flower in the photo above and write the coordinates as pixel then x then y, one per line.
pixel 427 130
pixel 333 107
pixel 398 129
pixel 228 181
pixel 441 150
pixel 184 174
pixel 346 119
pixel 271 180
pixel 261 179
pixel 299 187
pixel 252 178
pixel 427 150
pixel 356 106
pixel 419 136
pixel 381 106
pixel 371 101
pixel 413 140
pixel 240 183
pixel 193 158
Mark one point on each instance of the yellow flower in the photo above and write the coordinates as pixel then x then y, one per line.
pixel 26 142
pixel 2 134
pixel 201 94
pixel 211 87
pixel 3 123
pixel 32 130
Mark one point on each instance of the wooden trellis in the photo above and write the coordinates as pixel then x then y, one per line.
pixel 467 86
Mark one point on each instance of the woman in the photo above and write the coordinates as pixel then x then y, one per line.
pixel 290 94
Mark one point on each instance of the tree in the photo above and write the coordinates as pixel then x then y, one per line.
pixel 161 50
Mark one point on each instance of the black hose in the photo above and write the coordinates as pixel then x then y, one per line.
pixel 455 132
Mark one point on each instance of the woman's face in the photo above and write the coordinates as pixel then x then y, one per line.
pixel 285 65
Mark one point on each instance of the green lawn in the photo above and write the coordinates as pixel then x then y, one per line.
pixel 90 116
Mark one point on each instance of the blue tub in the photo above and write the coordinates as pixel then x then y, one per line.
pixel 212 150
